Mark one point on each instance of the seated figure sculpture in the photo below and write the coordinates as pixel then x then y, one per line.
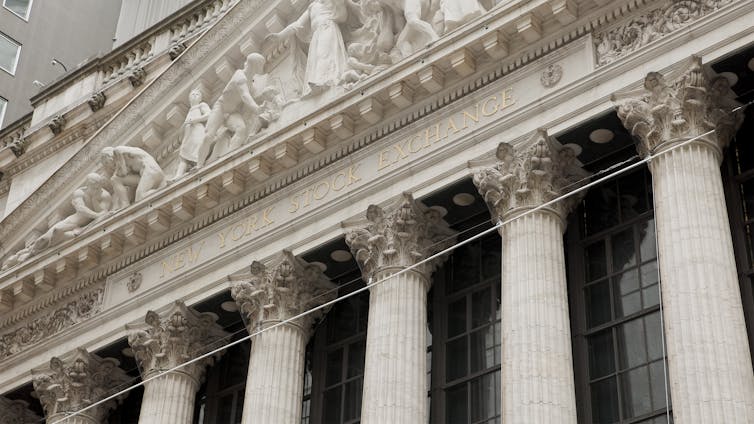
pixel 91 203
pixel 134 174
pixel 243 109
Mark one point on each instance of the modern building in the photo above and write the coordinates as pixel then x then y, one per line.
pixel 42 40
pixel 525 211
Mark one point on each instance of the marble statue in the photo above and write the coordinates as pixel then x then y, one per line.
pixel 21 255
pixel 327 58
pixel 417 32
pixel 371 47
pixel 454 13
pixel 134 174
pixel 193 133
pixel 248 103
pixel 91 203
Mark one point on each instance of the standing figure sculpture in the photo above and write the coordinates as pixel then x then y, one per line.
pixel 134 174
pixel 193 133
pixel 91 203
pixel 417 32
pixel 236 114
pixel 454 13
pixel 319 25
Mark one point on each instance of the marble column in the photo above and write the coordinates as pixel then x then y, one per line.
pixel 16 412
pixel 710 371
pixel 537 362
pixel 267 295
pixel 395 369
pixel 164 341
pixel 76 381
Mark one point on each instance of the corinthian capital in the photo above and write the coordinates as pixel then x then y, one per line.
pixel 284 288
pixel 530 175
pixel 689 103
pixel 173 337
pixel 16 412
pixel 398 236
pixel 72 383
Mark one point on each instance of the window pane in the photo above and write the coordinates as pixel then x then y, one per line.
pixel 456 407
pixel 636 394
pixel 624 255
pixel 485 348
pixel 352 407
pixel 3 104
pixel 598 304
pixel 605 402
pixel 481 308
pixel 657 380
pixel 632 345
pixel 601 359
pixel 457 317
pixel 334 367
pixel 633 200
pixel 595 261
pixel 455 363
pixel 629 297
pixel 225 409
pixel 648 244
pixel 331 405
pixel 491 257
pixel 654 336
pixel 484 397
pixel 8 54
pixel 356 358
pixel 19 7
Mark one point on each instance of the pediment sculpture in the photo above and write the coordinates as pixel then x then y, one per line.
pixel 347 41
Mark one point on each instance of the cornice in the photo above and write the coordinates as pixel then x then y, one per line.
pixel 237 160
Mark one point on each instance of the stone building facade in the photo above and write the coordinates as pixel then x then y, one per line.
pixel 378 211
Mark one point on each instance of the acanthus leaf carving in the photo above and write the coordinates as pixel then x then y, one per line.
pixel 398 236
pixel 530 175
pixel 173 337
pixel 74 382
pixel 42 328
pixel 616 42
pixel 285 288
pixel 693 104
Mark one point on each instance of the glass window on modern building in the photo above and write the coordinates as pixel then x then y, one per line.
pixel 615 304
pixel 3 105
pixel 21 8
pixel 9 52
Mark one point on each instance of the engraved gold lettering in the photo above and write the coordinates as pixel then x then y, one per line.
pixel 222 237
pixel 468 115
pixel 294 203
pixel 266 216
pixel 401 153
pixel 194 255
pixel 352 177
pixel 486 106
pixel 383 161
pixel 251 224
pixel 452 126
pixel 508 99
pixel 335 185
pixel 318 194
pixel 166 269
pixel 429 135
pixel 237 232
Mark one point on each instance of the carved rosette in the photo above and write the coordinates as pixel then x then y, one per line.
pixel 691 105
pixel 399 236
pixel 527 177
pixel 286 287
pixel 71 384
pixel 167 340
pixel 17 412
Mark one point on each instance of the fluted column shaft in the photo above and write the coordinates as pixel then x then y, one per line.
pixel 169 399
pixel 163 342
pixel 268 295
pixel 276 368
pixel 537 362
pixel 709 362
pixel 686 123
pixel 395 365
pixel 397 239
